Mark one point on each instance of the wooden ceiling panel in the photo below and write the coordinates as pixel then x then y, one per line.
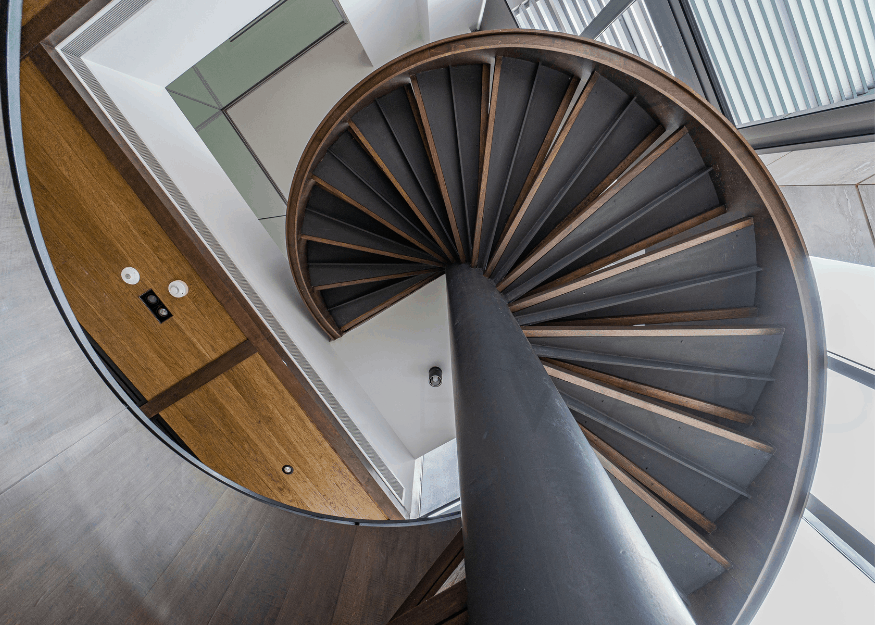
pixel 246 426
pixel 94 226
pixel 29 8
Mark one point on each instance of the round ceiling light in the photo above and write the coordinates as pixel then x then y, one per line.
pixel 287 469
pixel 435 376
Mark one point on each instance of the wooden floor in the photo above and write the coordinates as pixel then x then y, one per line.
pixel 244 423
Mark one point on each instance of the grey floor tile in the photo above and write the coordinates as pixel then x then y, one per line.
pixel 832 222
pixel 867 195
pixel 837 165
pixel 768 159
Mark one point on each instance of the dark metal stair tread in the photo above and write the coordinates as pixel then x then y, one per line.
pixel 528 99
pixel 731 459
pixel 633 190
pixel 325 274
pixel 568 176
pixel 372 126
pixel 685 562
pixel 707 496
pixel 400 118
pixel 350 170
pixel 734 250
pixel 348 312
pixel 329 230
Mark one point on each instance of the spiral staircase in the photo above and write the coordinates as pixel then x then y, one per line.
pixel 641 251
pixel 646 263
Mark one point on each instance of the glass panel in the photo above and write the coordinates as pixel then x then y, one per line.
pixel 246 58
pixel 440 477
pixel 817 585
pixel 276 228
pixel 845 478
pixel 847 297
pixel 241 167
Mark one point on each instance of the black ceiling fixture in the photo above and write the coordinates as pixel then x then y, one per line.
pixel 156 306
pixel 435 376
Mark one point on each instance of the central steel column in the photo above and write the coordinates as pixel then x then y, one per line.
pixel 547 538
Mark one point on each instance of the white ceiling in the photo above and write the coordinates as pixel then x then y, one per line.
pixel 391 354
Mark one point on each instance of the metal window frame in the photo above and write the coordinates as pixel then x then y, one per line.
pixel 687 52
pixel 858 549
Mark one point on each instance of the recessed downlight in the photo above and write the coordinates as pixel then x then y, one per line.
pixel 287 469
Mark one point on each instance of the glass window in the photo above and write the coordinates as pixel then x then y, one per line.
pixel 845 478
pixel 440 477
pixel 817 585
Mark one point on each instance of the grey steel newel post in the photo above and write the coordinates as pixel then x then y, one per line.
pixel 547 537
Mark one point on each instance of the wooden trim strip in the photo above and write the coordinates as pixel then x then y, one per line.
pixel 223 288
pixel 716 314
pixel 376 158
pixel 439 172
pixel 650 241
pixel 487 126
pixel 486 153
pixel 199 378
pixel 655 393
pixel 540 169
pixel 341 195
pixel 634 263
pixel 447 608
pixel 638 331
pixel 561 373
pixel 436 575
pixel 585 209
pixel 657 488
pixel 371 250
pixel 394 276
pixel 389 302
pixel 663 510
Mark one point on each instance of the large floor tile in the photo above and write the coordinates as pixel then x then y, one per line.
pixel 768 159
pixel 867 195
pixel 832 222
pixel 841 164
